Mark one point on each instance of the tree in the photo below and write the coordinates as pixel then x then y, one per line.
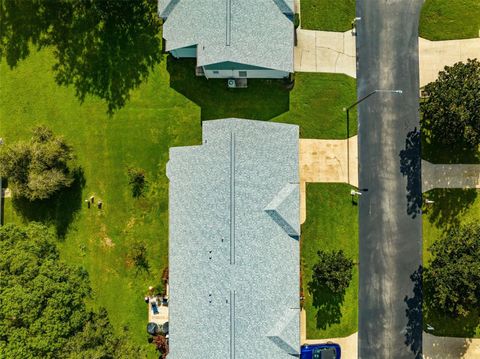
pixel 451 112
pixel 104 48
pixel 452 278
pixel 333 270
pixel 41 298
pixel 98 340
pixel 39 168
pixel 42 303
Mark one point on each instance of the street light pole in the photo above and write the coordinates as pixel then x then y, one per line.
pixel 347 110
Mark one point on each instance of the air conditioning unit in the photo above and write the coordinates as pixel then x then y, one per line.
pixel 231 83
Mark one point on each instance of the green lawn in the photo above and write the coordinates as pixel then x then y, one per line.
pixel 452 207
pixel 450 19
pixel 315 103
pixel 162 112
pixel 327 15
pixel 332 223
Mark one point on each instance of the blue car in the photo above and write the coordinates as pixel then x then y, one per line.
pixel 321 351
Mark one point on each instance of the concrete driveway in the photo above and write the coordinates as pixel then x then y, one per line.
pixel 325 51
pixel 327 161
pixel 334 52
pixel 449 176
pixel 435 55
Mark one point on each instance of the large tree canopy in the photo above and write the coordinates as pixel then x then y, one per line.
pixel 38 168
pixel 42 303
pixel 452 278
pixel 102 47
pixel 451 112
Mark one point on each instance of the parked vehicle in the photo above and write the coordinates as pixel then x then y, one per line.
pixel 321 351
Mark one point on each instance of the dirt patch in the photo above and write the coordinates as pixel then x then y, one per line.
pixel 106 240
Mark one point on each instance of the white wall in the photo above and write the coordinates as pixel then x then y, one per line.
pixel 263 74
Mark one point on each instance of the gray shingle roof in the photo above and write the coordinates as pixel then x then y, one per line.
pixel 234 269
pixel 254 32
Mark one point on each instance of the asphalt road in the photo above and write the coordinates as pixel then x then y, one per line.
pixel 390 298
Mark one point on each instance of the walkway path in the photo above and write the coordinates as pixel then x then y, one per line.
pixel 334 52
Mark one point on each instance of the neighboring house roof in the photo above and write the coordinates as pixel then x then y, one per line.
pixel 253 32
pixel 234 268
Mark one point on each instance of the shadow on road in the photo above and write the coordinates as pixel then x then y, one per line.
pixel 411 167
pixel 262 100
pixel 59 210
pixel 413 335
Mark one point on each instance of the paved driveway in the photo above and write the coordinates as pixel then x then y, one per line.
pixel 334 52
pixel 435 55
pixel 327 161
pixel 325 51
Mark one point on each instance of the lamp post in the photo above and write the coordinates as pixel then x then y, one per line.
pixel 347 110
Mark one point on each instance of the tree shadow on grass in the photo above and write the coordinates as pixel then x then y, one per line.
pixel 59 210
pixel 414 330
pixel 104 48
pixel 327 303
pixel 452 154
pixel 448 206
pixel 411 167
pixel 262 100
pixel 447 325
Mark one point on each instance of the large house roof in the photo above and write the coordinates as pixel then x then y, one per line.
pixel 253 32
pixel 233 246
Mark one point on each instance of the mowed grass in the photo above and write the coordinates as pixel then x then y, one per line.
pixel 327 15
pixel 315 103
pixel 452 207
pixel 160 114
pixel 139 135
pixel 331 224
pixel 450 19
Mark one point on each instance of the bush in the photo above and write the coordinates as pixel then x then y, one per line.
pixel 136 178
pixel 137 253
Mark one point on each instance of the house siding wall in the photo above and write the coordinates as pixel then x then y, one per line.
pixel 185 52
pixel 260 73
